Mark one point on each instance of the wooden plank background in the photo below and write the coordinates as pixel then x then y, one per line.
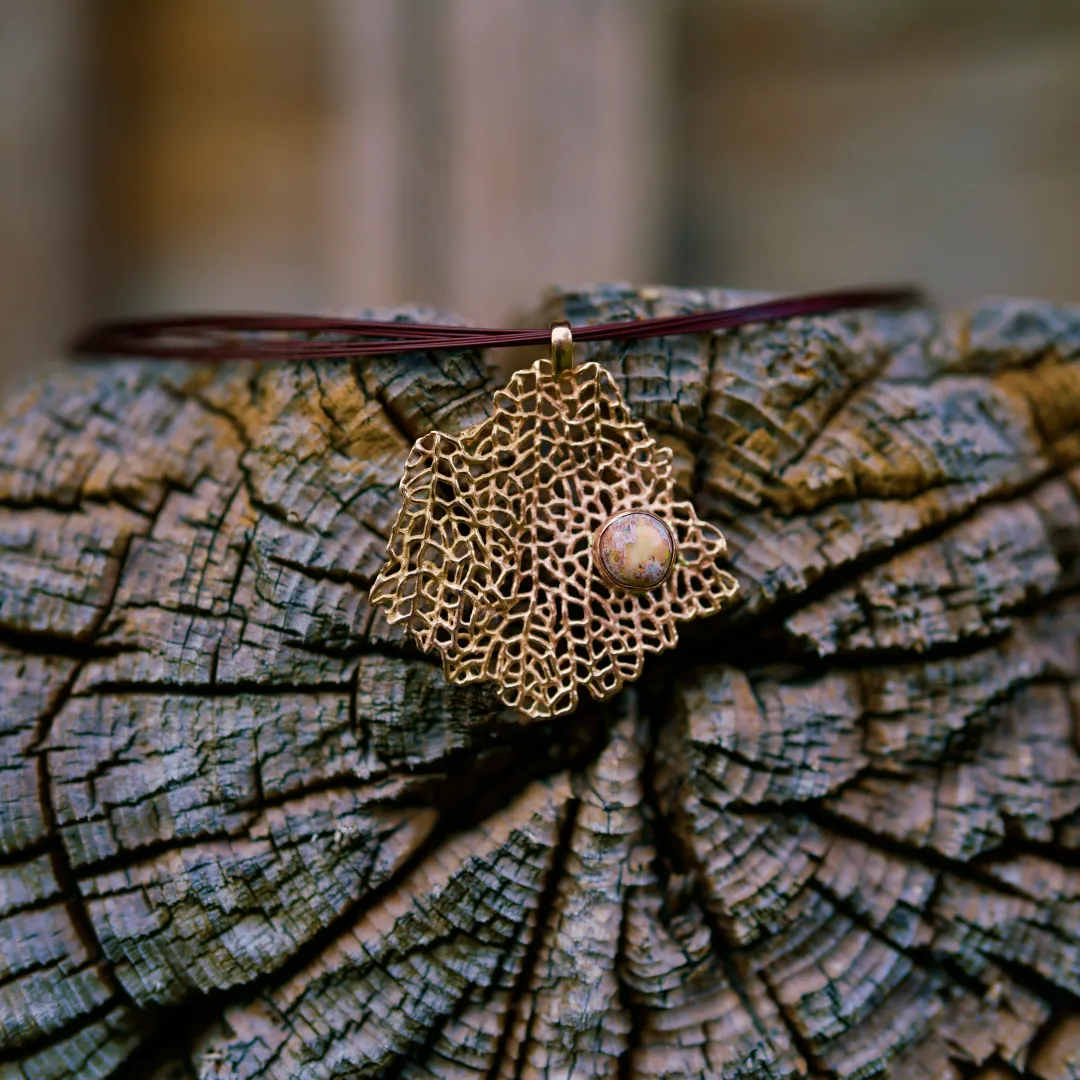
pixel 271 154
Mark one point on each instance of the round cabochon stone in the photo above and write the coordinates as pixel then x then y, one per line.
pixel 636 549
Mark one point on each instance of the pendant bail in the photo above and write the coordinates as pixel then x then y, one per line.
pixel 562 347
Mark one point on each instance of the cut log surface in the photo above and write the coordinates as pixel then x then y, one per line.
pixel 247 831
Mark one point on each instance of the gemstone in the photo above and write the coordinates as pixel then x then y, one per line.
pixel 635 549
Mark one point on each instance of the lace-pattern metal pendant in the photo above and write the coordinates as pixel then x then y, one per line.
pixel 543 549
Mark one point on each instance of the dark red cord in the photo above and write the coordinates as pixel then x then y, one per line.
pixel 267 337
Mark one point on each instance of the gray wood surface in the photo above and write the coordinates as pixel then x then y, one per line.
pixel 246 831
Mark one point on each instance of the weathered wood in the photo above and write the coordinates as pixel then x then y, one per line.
pixel 247 831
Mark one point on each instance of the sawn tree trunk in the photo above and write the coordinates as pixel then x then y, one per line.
pixel 247 831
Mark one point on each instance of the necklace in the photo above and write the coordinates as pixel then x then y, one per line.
pixel 542 550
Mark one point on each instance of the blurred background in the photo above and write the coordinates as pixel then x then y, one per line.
pixel 314 155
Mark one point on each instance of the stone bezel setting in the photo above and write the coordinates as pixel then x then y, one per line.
pixel 611 522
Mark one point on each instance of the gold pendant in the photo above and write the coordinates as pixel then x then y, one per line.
pixel 542 549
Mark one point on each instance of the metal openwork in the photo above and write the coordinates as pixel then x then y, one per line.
pixel 542 549
pixel 491 560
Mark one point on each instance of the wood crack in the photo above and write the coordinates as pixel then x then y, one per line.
pixel 12 1055
pixel 922 957
pixel 544 910
pixel 274 630
pixel 817 1070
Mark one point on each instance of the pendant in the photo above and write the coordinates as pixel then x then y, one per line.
pixel 542 550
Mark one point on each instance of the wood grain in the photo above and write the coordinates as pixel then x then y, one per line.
pixel 247 831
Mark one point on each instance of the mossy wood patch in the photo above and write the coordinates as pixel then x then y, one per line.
pixel 247 831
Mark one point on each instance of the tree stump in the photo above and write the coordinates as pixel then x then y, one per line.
pixel 248 831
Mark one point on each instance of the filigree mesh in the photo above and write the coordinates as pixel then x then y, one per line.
pixel 490 561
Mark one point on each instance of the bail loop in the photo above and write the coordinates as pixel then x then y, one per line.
pixel 562 348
